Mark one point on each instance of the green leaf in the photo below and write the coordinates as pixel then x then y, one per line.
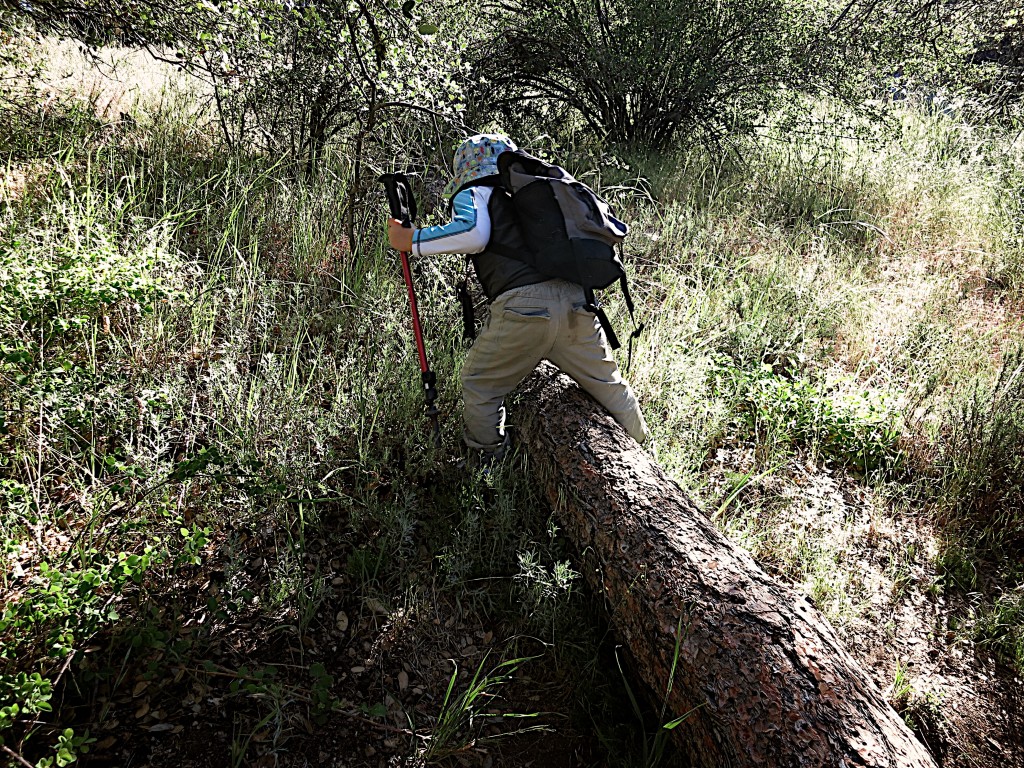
pixel 428 29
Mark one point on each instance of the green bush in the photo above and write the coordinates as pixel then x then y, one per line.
pixel 73 268
pixel 860 430
pixel 62 608
pixel 292 78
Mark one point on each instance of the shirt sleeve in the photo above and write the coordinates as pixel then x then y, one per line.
pixel 467 232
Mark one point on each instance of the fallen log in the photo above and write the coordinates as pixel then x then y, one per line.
pixel 762 673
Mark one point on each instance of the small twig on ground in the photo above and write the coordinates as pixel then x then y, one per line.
pixel 64 668
pixel 16 756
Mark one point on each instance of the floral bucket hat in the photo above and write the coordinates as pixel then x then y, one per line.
pixel 476 158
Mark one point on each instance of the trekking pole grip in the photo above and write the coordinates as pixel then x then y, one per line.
pixel 400 198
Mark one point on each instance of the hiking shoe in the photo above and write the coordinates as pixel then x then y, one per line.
pixel 478 460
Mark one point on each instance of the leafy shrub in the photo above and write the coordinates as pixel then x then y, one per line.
pixel 60 610
pixel 128 22
pixel 291 77
pixel 69 606
pixel 861 430
pixel 75 270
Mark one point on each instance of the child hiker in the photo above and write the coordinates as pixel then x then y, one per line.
pixel 532 317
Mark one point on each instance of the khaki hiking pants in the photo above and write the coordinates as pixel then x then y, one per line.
pixel 526 325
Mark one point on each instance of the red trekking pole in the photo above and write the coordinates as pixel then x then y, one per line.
pixel 403 207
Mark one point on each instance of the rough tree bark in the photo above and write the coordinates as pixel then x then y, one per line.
pixel 768 680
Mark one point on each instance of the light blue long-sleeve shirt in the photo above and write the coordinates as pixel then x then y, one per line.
pixel 468 232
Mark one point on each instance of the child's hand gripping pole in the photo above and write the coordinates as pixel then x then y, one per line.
pixel 403 207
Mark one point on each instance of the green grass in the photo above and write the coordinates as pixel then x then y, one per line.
pixel 1000 627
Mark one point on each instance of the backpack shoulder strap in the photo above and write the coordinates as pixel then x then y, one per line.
pixel 485 181
pixel 516 169
pixel 594 306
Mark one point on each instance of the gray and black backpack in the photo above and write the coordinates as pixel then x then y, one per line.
pixel 569 231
